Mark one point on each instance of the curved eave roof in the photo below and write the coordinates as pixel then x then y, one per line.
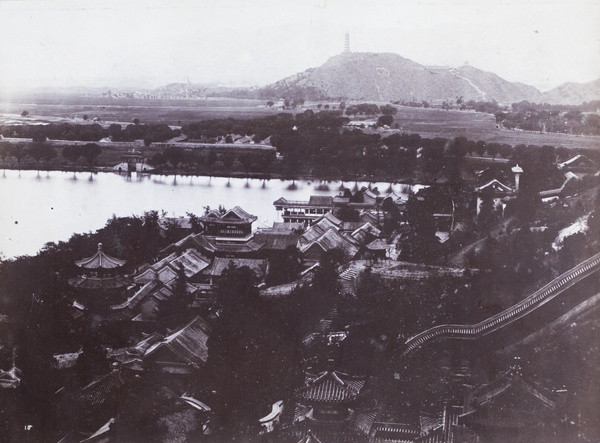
pixel 100 260
pixel 84 282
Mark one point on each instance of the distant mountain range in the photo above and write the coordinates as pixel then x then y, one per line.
pixel 390 77
pixel 573 93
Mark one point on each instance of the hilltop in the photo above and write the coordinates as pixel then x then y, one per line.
pixel 390 77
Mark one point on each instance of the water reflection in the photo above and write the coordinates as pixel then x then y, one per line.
pixel 83 203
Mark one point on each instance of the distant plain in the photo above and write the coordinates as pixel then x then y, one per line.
pixel 428 122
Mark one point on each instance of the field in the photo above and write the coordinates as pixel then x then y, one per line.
pixel 427 122
pixel 124 110
pixel 431 123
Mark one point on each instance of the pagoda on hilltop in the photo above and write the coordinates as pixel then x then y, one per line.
pixel 101 276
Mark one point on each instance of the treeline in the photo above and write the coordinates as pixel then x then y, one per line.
pixel 319 145
pixel 91 132
pixel 39 151
pixel 552 118
pixel 264 127
pixel 206 161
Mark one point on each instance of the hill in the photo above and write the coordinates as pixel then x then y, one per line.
pixel 573 93
pixel 390 77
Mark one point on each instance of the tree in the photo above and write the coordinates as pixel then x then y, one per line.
pixel 72 153
pixel 270 103
pixel 4 152
pixel 228 160
pixel 388 110
pixel 480 148
pixel 250 348
pixel 385 120
pixel 285 266
pixel 528 200
pixel 19 152
pixel 421 245
pixel 246 160
pixel 24 113
pixel 487 212
pixel 91 151
pixel 49 154
pixel 174 311
pixel 195 222
pixel 493 149
pixel 348 214
pixel 92 361
pixel 36 151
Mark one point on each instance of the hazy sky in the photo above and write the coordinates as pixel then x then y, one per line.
pixel 153 42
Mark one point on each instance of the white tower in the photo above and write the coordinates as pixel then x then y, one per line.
pixel 517 170
pixel 347 43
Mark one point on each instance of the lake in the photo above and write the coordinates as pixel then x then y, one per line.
pixel 37 208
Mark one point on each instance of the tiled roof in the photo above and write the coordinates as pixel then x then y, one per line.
pixel 85 282
pixel 278 240
pixel 281 226
pixel 100 260
pixel 368 217
pixel 166 269
pixel 259 266
pixel 363 420
pixel 578 160
pixel 11 378
pixel 361 233
pixel 331 239
pixel 331 219
pixel 318 229
pixel 98 391
pixel 510 381
pixel 189 343
pixel 309 438
pixel 234 215
pixel 496 185
pixel 314 200
pixel 239 212
pixel 331 387
pixel 104 429
pixel 139 296
pixel 352 226
pixel 320 200
pixel 378 245
pixel 191 261
pixel 141 347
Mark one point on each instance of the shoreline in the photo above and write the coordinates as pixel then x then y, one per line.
pixel 221 174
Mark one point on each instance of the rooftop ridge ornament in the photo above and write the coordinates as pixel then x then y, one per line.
pixel 100 260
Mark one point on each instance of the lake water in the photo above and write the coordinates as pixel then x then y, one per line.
pixel 36 208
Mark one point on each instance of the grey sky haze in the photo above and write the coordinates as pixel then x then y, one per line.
pixel 153 42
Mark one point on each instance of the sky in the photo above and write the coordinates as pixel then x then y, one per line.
pixel 149 43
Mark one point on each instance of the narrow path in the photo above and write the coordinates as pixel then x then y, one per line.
pixel 479 91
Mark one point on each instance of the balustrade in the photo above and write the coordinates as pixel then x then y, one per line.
pixel 552 289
